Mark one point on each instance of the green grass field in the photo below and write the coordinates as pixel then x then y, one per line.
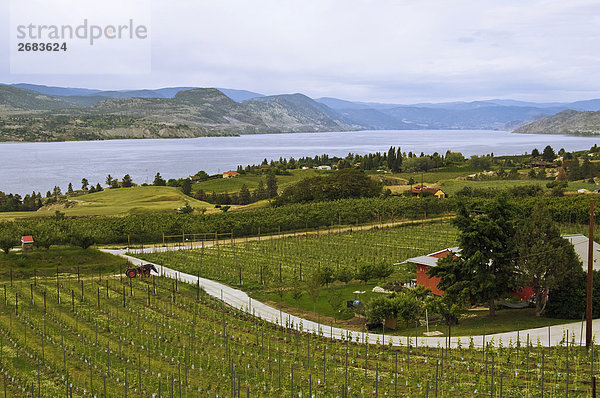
pixel 67 259
pixel 118 202
pixel 234 184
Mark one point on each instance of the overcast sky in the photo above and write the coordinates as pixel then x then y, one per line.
pixel 402 51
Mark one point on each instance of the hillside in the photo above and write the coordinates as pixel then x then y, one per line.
pixel 13 99
pixel 297 113
pixel 566 122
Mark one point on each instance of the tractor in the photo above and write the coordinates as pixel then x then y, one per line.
pixel 143 269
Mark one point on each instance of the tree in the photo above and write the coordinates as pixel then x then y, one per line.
pixel 200 176
pixel 109 180
pixel 84 184
pixel 261 192
pixel 485 270
pixel 335 301
pixel 545 258
pixel 450 307
pixel 114 183
pixel 271 185
pixel 245 196
pixel 407 307
pixel 70 189
pixel 548 155
pixel 574 170
pixel 379 309
pixel 365 272
pixel 186 187
pixel 535 153
pixel 99 188
pixel 159 181
pixel 344 274
pixel 297 293
pixel 8 238
pixel 562 175
pixel 313 287
pixel 83 240
pixel 127 182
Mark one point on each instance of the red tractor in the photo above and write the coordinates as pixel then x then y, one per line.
pixel 143 269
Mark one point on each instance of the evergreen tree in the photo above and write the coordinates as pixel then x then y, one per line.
pixel 186 187
pixel 574 170
pixel 84 184
pixel 245 197
pixel 127 182
pixel 485 270
pixel 70 189
pixel 544 257
pixel 109 180
pixel 535 153
pixel 261 192
pixel 99 187
pixel 271 185
pixel 548 155
pixel 159 181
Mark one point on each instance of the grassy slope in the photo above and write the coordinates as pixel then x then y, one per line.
pixel 221 185
pixel 115 202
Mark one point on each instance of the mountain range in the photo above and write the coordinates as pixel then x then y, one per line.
pixel 62 113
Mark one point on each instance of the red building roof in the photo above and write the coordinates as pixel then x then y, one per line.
pixel 232 173
pixel 27 239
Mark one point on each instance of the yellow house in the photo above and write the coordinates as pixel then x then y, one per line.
pixel 440 194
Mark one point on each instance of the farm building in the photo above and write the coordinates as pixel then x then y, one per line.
pixel 323 167
pixel 417 190
pixel 27 243
pixel 423 263
pixel 230 173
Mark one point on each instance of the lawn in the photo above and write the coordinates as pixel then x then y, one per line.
pixel 67 259
pixel 478 322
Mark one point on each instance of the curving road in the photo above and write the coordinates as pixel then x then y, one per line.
pixel 547 336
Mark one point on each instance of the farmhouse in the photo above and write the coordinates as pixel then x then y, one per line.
pixel 423 263
pixel 27 243
pixel 230 173
pixel 418 190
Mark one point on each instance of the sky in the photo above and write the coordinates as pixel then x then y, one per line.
pixel 402 51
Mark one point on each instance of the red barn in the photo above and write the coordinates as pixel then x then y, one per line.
pixel 423 264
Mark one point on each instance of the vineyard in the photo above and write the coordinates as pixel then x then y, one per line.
pixel 272 264
pixel 107 336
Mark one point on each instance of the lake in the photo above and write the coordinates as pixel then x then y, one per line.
pixel 41 165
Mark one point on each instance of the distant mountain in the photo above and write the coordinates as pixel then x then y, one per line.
pixel 484 117
pixel 566 122
pixel 16 99
pixel 52 113
pixel 240 95
pixel 448 115
pixel 52 90
pixel 297 112
pixel 335 103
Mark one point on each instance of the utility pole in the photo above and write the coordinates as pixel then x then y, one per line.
pixel 590 278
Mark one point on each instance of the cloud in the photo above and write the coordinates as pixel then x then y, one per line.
pixel 386 51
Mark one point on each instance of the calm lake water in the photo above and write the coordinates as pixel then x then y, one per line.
pixel 39 166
